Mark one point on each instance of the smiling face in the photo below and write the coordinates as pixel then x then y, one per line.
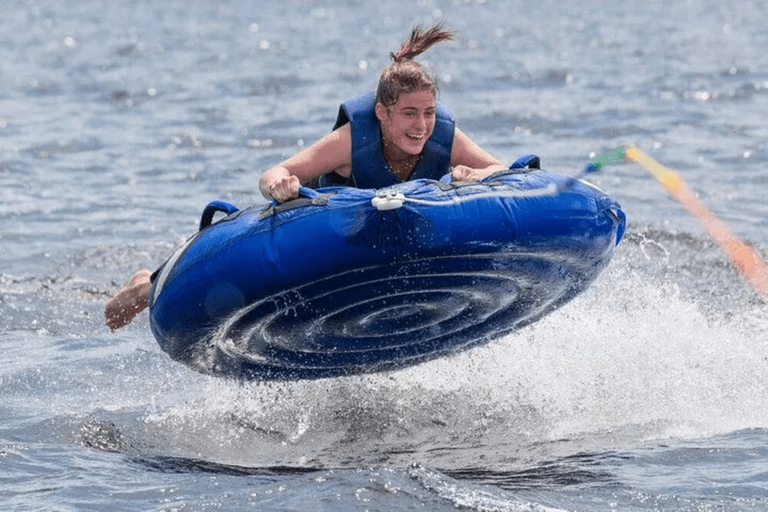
pixel 407 124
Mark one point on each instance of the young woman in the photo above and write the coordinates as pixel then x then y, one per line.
pixel 390 137
pixel 399 134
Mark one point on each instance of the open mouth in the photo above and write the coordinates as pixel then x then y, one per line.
pixel 414 137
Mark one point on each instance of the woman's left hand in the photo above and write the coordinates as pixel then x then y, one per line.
pixel 465 173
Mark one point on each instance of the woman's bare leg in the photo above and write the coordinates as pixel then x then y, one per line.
pixel 129 301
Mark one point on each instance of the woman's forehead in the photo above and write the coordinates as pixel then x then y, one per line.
pixel 419 99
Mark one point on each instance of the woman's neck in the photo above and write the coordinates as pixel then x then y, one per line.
pixel 400 162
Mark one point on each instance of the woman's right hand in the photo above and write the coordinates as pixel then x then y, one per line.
pixel 278 184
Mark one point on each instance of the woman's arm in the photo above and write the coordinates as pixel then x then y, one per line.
pixel 331 153
pixel 471 162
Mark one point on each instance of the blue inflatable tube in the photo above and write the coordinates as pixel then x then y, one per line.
pixel 345 281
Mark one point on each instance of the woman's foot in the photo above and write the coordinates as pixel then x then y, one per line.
pixel 129 301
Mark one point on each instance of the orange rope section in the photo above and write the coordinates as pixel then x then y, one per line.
pixel 746 259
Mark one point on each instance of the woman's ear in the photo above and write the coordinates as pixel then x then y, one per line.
pixel 381 111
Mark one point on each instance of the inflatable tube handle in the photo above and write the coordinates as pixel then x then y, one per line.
pixel 527 161
pixel 212 209
pixel 621 219
pixel 307 192
pixel 303 192
pixel 307 197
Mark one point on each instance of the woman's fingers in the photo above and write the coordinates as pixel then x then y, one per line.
pixel 285 189
pixel 464 173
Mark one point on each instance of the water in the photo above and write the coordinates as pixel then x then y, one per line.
pixel 119 121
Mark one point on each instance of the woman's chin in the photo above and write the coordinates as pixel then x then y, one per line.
pixel 413 148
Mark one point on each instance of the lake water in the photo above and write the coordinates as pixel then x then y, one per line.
pixel 119 121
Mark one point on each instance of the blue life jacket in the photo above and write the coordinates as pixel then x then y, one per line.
pixel 369 167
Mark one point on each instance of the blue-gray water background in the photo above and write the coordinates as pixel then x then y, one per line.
pixel 119 121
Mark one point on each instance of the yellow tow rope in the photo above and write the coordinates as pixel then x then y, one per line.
pixel 746 259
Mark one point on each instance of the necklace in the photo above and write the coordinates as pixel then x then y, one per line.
pixel 400 167
pixel 404 167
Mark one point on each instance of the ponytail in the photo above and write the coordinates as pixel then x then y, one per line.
pixel 420 41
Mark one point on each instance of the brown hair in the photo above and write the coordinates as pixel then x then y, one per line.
pixel 406 75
